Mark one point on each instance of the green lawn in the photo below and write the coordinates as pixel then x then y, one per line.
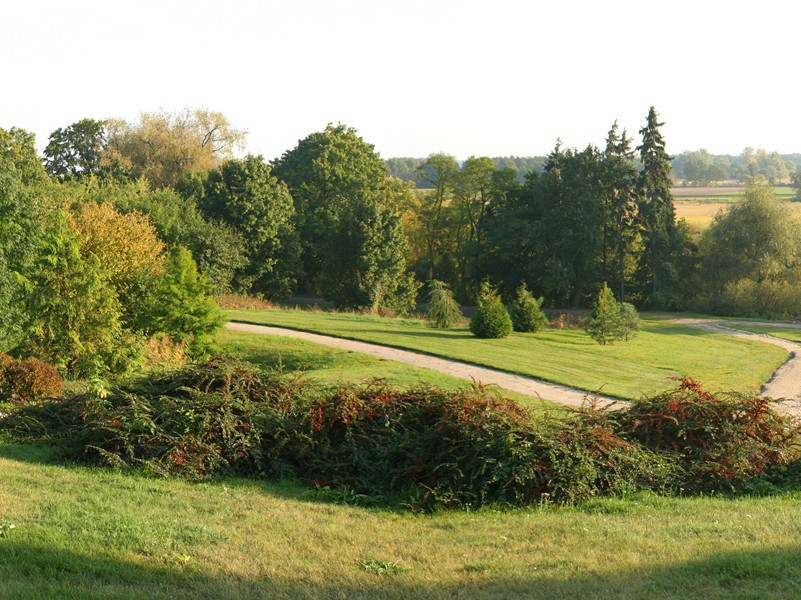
pixel 332 366
pixel 92 533
pixel 643 365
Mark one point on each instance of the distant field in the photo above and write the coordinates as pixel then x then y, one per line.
pixel 699 205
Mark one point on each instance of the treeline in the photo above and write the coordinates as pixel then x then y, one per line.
pixel 696 167
pixel 699 167
pixel 410 169
pixel 113 242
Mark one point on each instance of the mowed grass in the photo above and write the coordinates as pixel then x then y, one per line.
pixel 332 367
pixel 92 533
pixel 644 365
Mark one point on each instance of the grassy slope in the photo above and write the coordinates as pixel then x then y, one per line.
pixel 628 369
pixel 91 533
pixel 332 366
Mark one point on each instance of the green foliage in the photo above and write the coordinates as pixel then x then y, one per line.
pixel 443 311
pixel 328 173
pixel 183 308
pixel 19 238
pixel 75 151
pixel 29 380
pixel 365 266
pixel 604 323
pixel 527 315
pixel 75 315
pixel 629 323
pixel 491 319
pixel 245 195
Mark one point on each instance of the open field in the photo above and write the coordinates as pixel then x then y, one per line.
pixel 643 365
pixel 332 367
pixel 723 194
pixel 93 533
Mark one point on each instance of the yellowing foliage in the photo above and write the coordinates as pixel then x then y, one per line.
pixel 126 245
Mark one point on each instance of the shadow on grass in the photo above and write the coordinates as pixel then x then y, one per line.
pixel 35 571
pixel 30 453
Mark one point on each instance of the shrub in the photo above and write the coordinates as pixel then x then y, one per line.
pixel 629 323
pixel 27 381
pixel 224 417
pixel 604 324
pixel 491 319
pixel 527 315
pixel 443 311
pixel 718 439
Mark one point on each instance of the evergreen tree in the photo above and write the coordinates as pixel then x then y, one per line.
pixel 443 311
pixel 629 321
pixel 491 320
pixel 657 264
pixel 527 315
pixel 604 323
pixel 621 229
pixel 184 309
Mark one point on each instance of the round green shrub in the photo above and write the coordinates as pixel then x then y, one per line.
pixel 527 316
pixel 491 320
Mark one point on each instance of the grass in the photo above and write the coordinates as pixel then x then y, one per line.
pixel 643 365
pixel 332 366
pixel 92 533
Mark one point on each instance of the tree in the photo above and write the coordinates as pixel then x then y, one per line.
pixel 75 151
pixel 440 172
pixel 163 147
pixel 527 315
pixel 246 195
pixel 19 148
pixel 128 253
pixel 75 314
pixel 604 323
pixel 629 323
pixel 365 265
pixel 491 319
pixel 19 240
pixel 443 312
pixel 658 274
pixel 755 239
pixel 328 173
pixel 621 229
pixel 184 309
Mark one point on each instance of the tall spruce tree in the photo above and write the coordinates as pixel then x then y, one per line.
pixel 621 230
pixel 658 216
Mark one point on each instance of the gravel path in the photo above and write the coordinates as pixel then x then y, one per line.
pixel 521 384
pixel 785 382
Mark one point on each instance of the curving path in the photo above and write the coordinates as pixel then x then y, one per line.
pixel 521 384
pixel 785 382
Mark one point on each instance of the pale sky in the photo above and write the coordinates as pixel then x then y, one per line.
pixel 414 77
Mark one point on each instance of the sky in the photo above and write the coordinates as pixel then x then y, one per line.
pixel 414 77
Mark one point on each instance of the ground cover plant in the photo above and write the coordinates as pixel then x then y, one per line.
pixel 642 365
pixel 424 446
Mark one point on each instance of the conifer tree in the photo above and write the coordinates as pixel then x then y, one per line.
pixel 443 311
pixel 491 320
pixel 657 213
pixel 527 315
pixel 604 324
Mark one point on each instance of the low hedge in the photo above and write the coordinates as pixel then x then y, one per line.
pixel 433 448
